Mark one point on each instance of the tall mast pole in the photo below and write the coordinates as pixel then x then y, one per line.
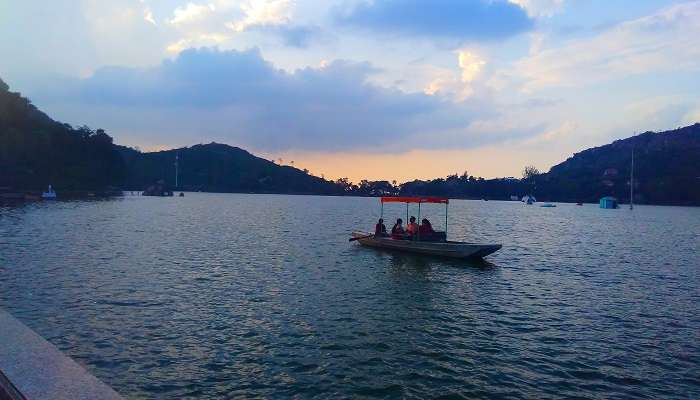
pixel 177 158
pixel 632 182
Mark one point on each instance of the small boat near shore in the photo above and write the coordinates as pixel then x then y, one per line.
pixel 49 195
pixel 429 246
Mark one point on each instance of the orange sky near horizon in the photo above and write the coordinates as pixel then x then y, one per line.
pixel 488 162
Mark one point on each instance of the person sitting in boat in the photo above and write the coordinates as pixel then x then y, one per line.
pixel 412 228
pixel 397 231
pixel 426 229
pixel 380 228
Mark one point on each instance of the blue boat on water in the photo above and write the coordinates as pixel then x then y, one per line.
pixel 609 202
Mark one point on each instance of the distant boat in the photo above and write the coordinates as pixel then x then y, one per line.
pixel 529 199
pixel 49 195
pixel 548 205
pixel 579 204
pixel 609 203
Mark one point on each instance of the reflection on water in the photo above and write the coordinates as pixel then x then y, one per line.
pixel 262 296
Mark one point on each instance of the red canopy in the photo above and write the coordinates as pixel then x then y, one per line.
pixel 441 200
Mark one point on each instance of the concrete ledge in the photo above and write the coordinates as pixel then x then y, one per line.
pixel 34 369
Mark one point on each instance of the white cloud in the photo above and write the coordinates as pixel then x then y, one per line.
pixel 540 8
pixel 664 41
pixel 456 84
pixel 147 13
pixel 191 12
pixel 204 39
pixel 470 64
pixel 263 12
pixel 148 16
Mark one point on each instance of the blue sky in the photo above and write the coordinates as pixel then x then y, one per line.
pixel 379 89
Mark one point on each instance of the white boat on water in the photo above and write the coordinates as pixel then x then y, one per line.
pixel 436 245
pixel 529 199
pixel 49 195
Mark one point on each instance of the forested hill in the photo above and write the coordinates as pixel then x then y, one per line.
pixel 218 167
pixel 36 151
pixel 666 170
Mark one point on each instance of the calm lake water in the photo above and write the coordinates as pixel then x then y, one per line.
pixel 227 295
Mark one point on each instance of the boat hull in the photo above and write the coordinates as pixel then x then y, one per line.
pixel 442 249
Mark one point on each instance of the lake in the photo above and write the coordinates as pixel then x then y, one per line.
pixel 235 295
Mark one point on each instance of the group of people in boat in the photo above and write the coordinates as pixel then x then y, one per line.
pixel 413 230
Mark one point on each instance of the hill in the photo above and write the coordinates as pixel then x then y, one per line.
pixel 219 167
pixel 667 170
pixel 36 151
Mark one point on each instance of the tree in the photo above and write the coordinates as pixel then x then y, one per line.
pixel 530 172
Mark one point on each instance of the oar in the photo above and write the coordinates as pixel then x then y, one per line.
pixel 361 237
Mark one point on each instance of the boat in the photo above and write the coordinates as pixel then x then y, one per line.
pixel 49 195
pixel 609 203
pixel 529 199
pixel 548 205
pixel 437 245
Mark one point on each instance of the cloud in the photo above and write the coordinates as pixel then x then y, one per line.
pixel 240 98
pixel 202 39
pixel 540 8
pixel 293 35
pixel 470 64
pixel 191 12
pixel 662 42
pixel 263 13
pixel 459 20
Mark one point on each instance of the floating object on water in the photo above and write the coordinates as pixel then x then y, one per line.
pixel 181 194
pixel 609 203
pixel 548 205
pixel 49 195
pixel 529 199
pixel 436 245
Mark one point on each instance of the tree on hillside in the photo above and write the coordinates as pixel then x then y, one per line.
pixel 530 172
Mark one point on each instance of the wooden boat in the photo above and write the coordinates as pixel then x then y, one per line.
pixel 430 246
pixel 443 249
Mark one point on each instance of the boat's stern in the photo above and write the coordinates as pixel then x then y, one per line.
pixel 359 234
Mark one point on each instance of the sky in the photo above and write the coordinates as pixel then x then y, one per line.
pixel 364 89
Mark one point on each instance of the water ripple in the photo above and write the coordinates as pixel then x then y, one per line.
pixel 249 296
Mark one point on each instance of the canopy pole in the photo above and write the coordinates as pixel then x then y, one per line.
pixel 406 214
pixel 446 219
pixel 418 233
pixel 381 214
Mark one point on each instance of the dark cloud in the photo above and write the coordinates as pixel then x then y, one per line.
pixel 240 98
pixel 299 36
pixel 448 19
